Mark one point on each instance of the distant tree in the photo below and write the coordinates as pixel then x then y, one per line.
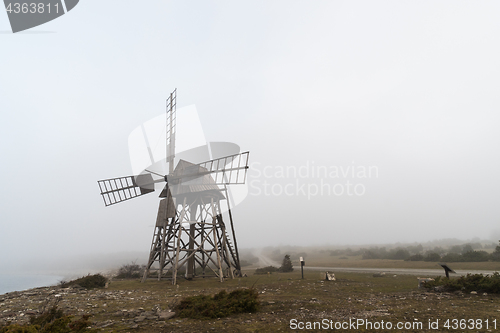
pixel 455 249
pixel 336 252
pixel 416 257
pixel 349 252
pixel 415 249
pixel 432 256
pixel 401 254
pixel 475 256
pixel 286 265
pixel 476 245
pixel 495 256
pixel 369 254
pixel 439 250
pixel 467 248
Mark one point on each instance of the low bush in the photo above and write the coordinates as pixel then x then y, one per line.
pixel 220 305
pixel 131 271
pixel 265 270
pixel 87 282
pixel 470 282
pixel 54 320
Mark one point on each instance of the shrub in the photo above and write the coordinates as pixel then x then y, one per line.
pixel 87 282
pixel 131 271
pixel 54 320
pixel 286 265
pixel 265 270
pixel 468 283
pixel 220 305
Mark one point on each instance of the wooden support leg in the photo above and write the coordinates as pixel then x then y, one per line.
pixel 181 218
pixel 216 243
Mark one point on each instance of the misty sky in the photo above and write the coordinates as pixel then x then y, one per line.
pixel 406 90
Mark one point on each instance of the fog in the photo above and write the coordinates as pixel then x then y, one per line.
pixel 367 122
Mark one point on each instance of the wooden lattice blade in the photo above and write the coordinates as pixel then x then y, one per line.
pixel 115 190
pixel 228 170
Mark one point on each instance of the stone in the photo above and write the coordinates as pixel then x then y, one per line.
pixel 422 281
pixel 139 319
pixel 8 314
pixel 165 315
pixel 105 324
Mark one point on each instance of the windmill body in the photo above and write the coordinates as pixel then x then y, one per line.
pixel 191 236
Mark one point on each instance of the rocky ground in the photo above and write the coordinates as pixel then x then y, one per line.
pixel 17 307
pixel 129 306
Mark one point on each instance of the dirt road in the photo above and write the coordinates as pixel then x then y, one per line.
pixel 266 261
pixel 418 272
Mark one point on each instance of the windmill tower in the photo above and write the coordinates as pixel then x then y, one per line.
pixel 190 234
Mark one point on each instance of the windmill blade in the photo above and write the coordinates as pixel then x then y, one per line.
pixel 171 129
pixel 115 190
pixel 228 170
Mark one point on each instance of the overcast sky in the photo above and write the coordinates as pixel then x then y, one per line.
pixel 405 93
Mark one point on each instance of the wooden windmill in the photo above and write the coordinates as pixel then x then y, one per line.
pixel 190 233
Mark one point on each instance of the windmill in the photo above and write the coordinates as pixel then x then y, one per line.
pixel 190 233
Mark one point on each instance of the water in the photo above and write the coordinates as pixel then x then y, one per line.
pixel 16 282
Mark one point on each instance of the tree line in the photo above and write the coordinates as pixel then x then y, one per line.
pixel 457 253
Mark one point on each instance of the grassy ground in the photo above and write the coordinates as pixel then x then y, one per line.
pixel 286 297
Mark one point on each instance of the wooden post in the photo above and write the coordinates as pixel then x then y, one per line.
pixel 163 238
pixel 238 266
pixel 181 218
pixel 225 242
pixel 190 264
pixel 214 224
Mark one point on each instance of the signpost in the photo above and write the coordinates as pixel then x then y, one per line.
pixel 302 263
